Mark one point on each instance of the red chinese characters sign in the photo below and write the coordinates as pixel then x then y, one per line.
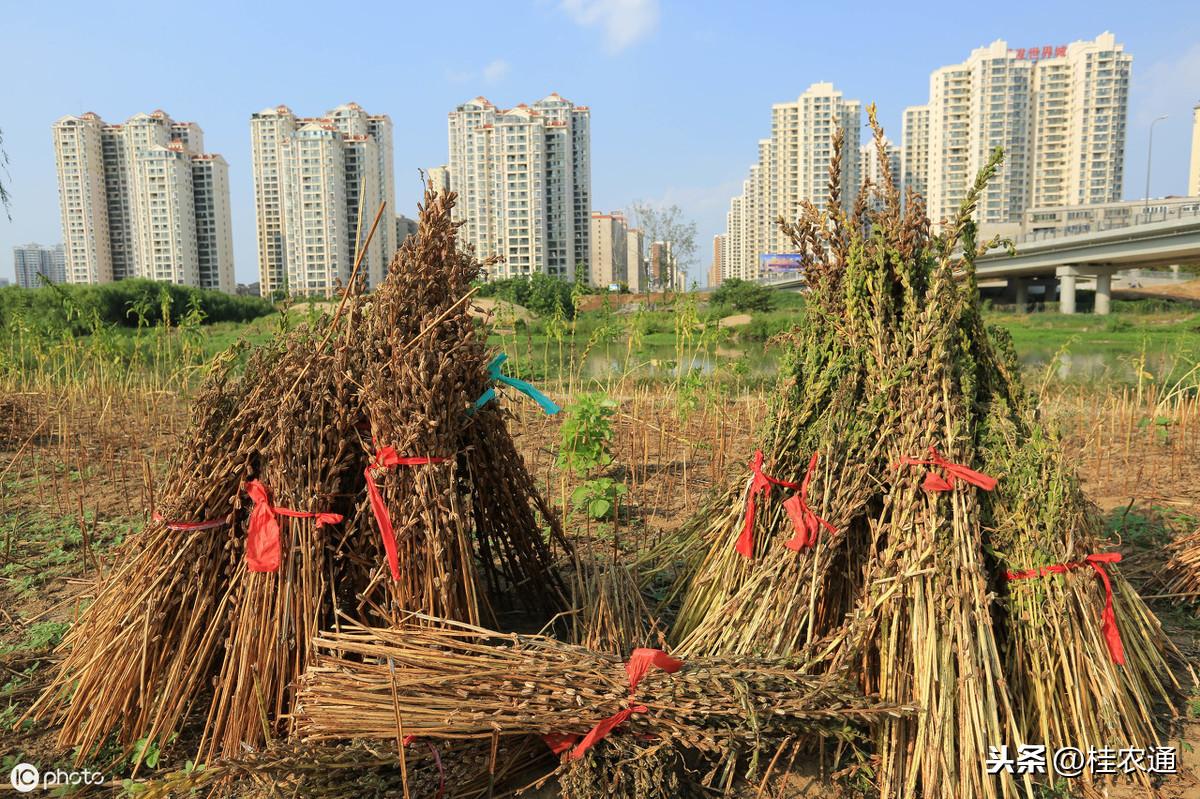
pixel 1038 53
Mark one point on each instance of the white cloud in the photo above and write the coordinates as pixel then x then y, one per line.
pixel 495 71
pixel 1167 86
pixel 623 22
pixel 1171 86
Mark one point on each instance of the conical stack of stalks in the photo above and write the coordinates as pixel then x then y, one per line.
pixel 911 593
pixel 180 613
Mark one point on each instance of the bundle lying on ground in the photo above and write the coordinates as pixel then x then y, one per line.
pixel 462 770
pixel 372 475
pixel 1180 579
pixel 933 583
pixel 454 681
pixel 629 769
pixel 613 617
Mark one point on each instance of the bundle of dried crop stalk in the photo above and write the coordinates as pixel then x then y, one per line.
pixel 908 488
pixel 453 681
pixel 388 491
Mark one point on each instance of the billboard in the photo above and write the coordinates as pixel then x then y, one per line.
pixel 772 262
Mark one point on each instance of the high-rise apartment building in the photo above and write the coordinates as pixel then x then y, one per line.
pixel 1058 112
pixel 734 265
pixel 142 199
pixel 523 176
pixel 214 234
pixel 1194 171
pixel 792 168
pixel 32 260
pixel 663 268
pixel 405 227
pixel 718 254
pixel 318 183
pixel 83 198
pixel 438 178
pixel 1078 151
pixel 635 260
pixel 271 130
pixel 166 216
pixel 610 250
pixel 914 151
pixel 870 168
pixel 800 152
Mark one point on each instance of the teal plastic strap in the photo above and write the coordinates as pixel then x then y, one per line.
pixel 526 388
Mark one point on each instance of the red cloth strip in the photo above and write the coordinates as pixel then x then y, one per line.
pixel 187 527
pixel 262 539
pixel 560 742
pixel 935 482
pixel 387 458
pixel 758 483
pixel 1108 617
pixel 805 521
pixel 638 665
pixel 437 759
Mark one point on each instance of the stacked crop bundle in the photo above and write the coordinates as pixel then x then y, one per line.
pixel 454 681
pixel 464 770
pixel 909 519
pixel 1180 579
pixel 352 469
pixel 614 617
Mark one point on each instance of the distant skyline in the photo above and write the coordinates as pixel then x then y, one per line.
pixel 680 93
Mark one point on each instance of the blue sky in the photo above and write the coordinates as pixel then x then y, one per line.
pixel 680 92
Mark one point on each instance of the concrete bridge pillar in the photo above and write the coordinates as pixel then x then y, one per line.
pixel 1103 293
pixel 1066 289
pixel 1068 279
pixel 1021 288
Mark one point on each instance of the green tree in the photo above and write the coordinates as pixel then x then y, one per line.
pixel 666 224
pixel 5 197
pixel 744 296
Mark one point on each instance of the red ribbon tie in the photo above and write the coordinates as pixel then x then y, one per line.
pixel 262 539
pixel 437 760
pixel 1108 617
pixel 758 483
pixel 387 458
pixel 805 521
pixel 956 471
pixel 638 665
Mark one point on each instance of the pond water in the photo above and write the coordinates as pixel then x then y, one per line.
pixel 1078 363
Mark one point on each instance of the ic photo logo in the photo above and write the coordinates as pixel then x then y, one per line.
pixel 24 777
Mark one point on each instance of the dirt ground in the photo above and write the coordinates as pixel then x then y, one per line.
pixel 1187 290
pixel 79 473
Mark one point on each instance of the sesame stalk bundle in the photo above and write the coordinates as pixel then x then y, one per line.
pixel 909 518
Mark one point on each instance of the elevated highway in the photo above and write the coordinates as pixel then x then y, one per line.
pixel 1069 259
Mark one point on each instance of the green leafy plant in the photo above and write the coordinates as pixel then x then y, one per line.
pixel 586 448
pixel 587 434
pixel 45 635
pixel 598 497
pixel 147 752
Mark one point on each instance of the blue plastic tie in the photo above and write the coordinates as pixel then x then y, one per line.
pixel 548 405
